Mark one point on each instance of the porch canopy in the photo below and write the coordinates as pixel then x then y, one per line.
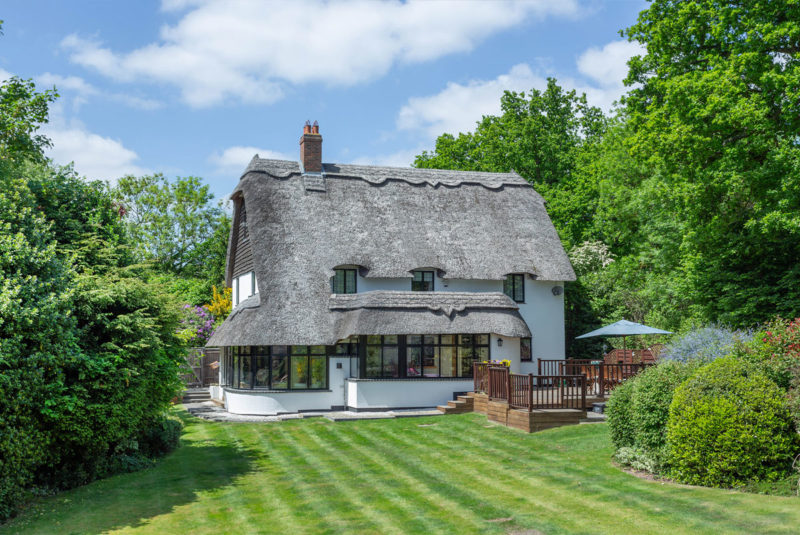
pixel 623 328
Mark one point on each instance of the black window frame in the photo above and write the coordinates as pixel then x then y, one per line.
pixel 252 353
pixel 343 272
pixel 422 273
pixel 513 283
pixel 529 340
pixel 434 342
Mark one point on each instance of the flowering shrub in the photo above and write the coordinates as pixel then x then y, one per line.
pixel 505 362
pixel 220 304
pixel 197 325
pixel 705 344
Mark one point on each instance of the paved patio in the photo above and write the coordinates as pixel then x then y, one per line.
pixel 209 410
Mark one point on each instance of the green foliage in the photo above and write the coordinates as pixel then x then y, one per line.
pixel 170 221
pixel 36 336
pixel 22 111
pixel 729 425
pixel 653 390
pixel 161 437
pixel 715 117
pixel 619 414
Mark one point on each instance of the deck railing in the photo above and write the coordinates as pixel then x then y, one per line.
pixel 527 391
pixel 480 377
pixel 601 378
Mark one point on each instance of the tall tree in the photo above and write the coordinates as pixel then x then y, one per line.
pixel 715 114
pixel 169 221
pixel 540 136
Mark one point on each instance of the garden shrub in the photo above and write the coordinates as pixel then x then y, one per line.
pixel 637 459
pixel 650 401
pixel 729 425
pixel 619 414
pixel 161 437
pixel 704 344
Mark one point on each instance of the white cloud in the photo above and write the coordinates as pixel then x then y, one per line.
pixel 402 158
pixel 234 160
pixel 249 50
pixel 82 90
pixel 96 157
pixel 608 65
pixel 457 107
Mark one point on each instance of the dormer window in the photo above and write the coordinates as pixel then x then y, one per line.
pixel 344 281
pixel 422 281
pixel 514 287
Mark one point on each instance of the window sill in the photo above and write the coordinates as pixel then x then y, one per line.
pixel 268 391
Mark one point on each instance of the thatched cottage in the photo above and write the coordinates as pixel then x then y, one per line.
pixel 375 287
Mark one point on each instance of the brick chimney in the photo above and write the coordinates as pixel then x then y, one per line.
pixel 311 148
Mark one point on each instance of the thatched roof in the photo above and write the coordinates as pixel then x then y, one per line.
pixel 388 221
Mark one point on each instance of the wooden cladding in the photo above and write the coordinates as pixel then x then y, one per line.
pixel 243 252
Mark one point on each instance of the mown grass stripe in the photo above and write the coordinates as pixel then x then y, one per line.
pixel 361 502
pixel 445 512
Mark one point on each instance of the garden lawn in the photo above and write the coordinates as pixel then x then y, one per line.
pixel 450 474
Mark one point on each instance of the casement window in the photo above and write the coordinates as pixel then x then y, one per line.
pixel 514 287
pixel 422 281
pixel 383 356
pixel 424 356
pixel 525 353
pixel 344 281
pixel 243 286
pixel 279 367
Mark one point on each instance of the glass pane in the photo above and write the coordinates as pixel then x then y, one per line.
pixel 244 350
pixel 341 349
pixel 482 353
pixel 245 286
pixel 261 350
pixel 417 286
pixel 414 339
pixel 414 362
pixel 430 339
pixel 318 372
pixel 244 378
pixel 448 361
pixel 465 339
pixel 317 350
pixel 430 361
pixel 350 283
pixel 234 378
pixel 417 276
pixel 390 362
pixel 508 286
pixel 299 372
pixel 447 339
pixel 372 339
pixel 373 361
pixel 525 349
pixel 354 370
pixel 465 361
pixel 390 339
pixel 519 288
pixel 482 339
pixel 279 351
pixel 337 284
pixel 280 372
pixel 261 372
pixel 299 350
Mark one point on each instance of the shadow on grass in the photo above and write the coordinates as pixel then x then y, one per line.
pixel 199 465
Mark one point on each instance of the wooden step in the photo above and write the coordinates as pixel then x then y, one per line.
pixel 455 407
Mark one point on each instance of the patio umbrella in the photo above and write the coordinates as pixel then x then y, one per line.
pixel 623 328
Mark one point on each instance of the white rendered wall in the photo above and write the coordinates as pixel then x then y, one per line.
pixel 544 314
pixel 405 393
pixel 272 402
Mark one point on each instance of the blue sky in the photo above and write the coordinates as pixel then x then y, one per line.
pixel 193 87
